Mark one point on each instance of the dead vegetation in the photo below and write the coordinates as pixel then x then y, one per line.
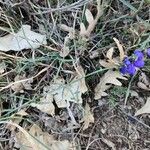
pixel 60 84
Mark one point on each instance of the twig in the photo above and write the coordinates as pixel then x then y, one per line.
pixel 64 8
pixel 24 80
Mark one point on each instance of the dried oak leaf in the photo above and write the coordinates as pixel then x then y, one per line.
pixel 87 117
pixel 63 93
pixel 113 62
pixel 20 86
pixel 110 77
pixel 144 82
pixel 17 118
pixel 23 39
pixel 46 103
pixel 39 140
pixel 85 32
pixel 71 35
pixel 145 109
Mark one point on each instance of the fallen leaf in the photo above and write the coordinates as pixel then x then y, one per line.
pixel 23 39
pixel 107 64
pixel 71 92
pixel 144 82
pixel 109 53
pixel 39 140
pixel 18 87
pixel 2 67
pixel 22 113
pixel 87 117
pixel 89 16
pixel 145 109
pixel 143 78
pixel 110 77
pixel 116 61
pixel 71 35
pixel 16 118
pixel 91 20
pixel 81 77
pixel 121 51
pixel 82 29
pixel 45 104
pixel 62 93
pixel 141 85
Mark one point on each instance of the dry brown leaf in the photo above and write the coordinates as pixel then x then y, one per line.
pixel 23 39
pixel 121 51
pixel 71 92
pixel 17 118
pixel 87 117
pixel 62 93
pixel 20 86
pixel 92 21
pixel 141 85
pixel 45 104
pixel 144 78
pixel 145 109
pixel 71 35
pixel 110 77
pixel 144 82
pixel 107 64
pixel 2 67
pixel 81 78
pixel 82 29
pixel 109 54
pixel 46 141
pixel 113 62
pixel 22 113
pixel 89 16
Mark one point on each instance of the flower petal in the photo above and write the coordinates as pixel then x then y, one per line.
pixel 148 52
pixel 131 69
pixel 139 63
pixel 123 69
pixel 138 54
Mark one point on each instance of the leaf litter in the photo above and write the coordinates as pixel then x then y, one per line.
pixel 109 78
pixel 35 135
pixel 145 109
pixel 62 93
pixel 23 39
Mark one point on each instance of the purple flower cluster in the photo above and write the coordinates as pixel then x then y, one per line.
pixel 131 64
pixel 148 52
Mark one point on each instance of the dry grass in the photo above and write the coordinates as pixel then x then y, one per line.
pixel 114 123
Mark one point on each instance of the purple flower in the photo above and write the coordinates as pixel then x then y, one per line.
pixel 131 69
pixel 123 69
pixel 139 55
pixel 127 61
pixel 128 67
pixel 130 64
pixel 148 52
pixel 139 60
pixel 139 63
